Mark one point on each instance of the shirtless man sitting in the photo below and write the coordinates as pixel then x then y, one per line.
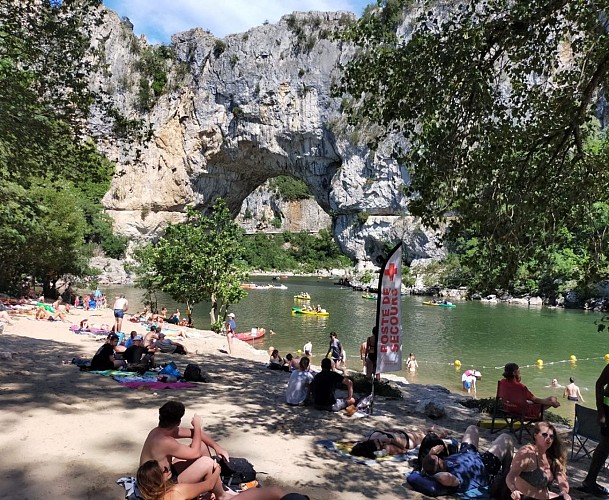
pixel 188 464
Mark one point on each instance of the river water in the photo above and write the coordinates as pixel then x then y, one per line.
pixel 480 335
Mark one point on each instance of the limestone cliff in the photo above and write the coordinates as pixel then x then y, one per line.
pixel 237 112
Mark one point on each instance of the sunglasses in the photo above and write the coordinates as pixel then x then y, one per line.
pixel 545 435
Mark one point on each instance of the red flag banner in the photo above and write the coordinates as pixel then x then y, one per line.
pixel 389 314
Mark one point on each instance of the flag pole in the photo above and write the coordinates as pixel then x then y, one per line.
pixel 389 279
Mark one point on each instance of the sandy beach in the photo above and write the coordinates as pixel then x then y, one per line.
pixel 70 434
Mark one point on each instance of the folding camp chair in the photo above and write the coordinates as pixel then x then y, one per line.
pixel 513 410
pixel 586 432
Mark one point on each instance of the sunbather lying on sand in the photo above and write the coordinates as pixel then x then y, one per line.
pixel 42 313
pixel 392 442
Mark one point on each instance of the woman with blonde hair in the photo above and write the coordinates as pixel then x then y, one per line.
pixel 155 483
pixel 539 465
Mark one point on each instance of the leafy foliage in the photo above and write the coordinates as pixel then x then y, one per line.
pixel 197 261
pixel 293 252
pixel 153 67
pixel 492 108
pixel 51 179
pixel 289 188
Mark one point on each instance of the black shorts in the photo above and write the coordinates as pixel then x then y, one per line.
pixel 179 349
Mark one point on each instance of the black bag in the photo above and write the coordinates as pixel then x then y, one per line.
pixel 193 373
pixel 237 471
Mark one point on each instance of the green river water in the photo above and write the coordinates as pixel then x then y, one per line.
pixel 480 335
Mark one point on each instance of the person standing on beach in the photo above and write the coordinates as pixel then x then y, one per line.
pixel 194 462
pixel 121 306
pixel 336 349
pixel 572 392
pixel 230 328
pixel 589 484
pixel 370 354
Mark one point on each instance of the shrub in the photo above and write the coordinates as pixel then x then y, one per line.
pixel 289 188
pixel 219 48
pixel 363 385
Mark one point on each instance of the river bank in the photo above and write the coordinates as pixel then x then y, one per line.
pixel 69 434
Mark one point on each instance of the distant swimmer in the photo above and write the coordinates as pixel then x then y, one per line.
pixel 308 348
pixel 554 383
pixel 572 392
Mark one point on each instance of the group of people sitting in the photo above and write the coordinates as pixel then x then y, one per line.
pixel 536 471
pixel 158 318
pixel 136 353
pixel 171 470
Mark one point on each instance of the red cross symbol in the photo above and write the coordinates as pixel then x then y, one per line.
pixel 391 271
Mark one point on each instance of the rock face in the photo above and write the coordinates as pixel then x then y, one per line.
pixel 237 112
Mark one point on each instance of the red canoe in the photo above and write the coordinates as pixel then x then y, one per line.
pixel 249 336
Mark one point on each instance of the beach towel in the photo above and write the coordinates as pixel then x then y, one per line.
pixel 132 492
pixel 153 385
pixel 344 447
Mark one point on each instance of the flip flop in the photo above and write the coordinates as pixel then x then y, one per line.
pixel 597 490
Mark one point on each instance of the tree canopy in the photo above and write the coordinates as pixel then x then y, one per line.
pixel 198 260
pixel 51 178
pixel 497 109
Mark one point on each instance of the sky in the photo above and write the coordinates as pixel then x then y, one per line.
pixel 159 19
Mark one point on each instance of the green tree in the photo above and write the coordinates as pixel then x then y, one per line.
pixel 51 178
pixel 493 107
pixel 198 260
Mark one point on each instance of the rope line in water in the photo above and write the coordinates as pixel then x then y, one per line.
pixel 532 365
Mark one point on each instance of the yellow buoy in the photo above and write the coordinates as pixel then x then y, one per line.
pixel 457 363
pixel 539 362
pixel 573 358
pixel 606 357
pixel 299 351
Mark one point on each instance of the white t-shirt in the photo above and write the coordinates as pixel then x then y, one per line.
pixel 308 348
pixel 298 387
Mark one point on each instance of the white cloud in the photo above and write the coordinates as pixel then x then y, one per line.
pixel 159 19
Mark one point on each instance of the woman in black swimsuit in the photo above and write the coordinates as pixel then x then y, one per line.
pixel 539 465
pixel 392 442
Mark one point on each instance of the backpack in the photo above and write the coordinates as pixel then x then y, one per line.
pixel 193 373
pixel 237 471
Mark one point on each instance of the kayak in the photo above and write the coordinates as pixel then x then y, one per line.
pixel 298 310
pixel 370 296
pixel 439 304
pixel 249 336
pixel 303 296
